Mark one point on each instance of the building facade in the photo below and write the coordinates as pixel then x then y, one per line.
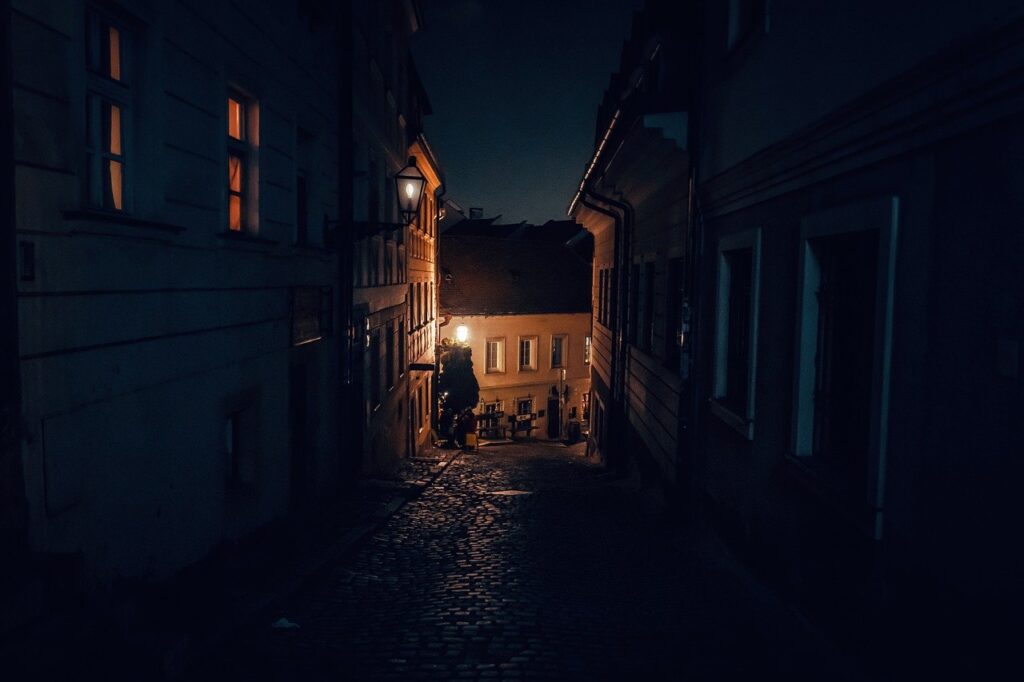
pixel 861 309
pixel 524 303
pixel 807 265
pixel 394 303
pixel 173 166
pixel 637 209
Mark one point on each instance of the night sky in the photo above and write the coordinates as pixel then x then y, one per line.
pixel 515 88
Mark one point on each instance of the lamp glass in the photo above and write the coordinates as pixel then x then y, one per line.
pixel 409 184
pixel 462 333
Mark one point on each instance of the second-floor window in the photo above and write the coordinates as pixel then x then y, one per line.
pixel 107 113
pixel 586 350
pixel 558 344
pixel 242 136
pixel 528 353
pixel 495 355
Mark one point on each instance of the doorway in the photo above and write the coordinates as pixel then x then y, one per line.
pixel 554 417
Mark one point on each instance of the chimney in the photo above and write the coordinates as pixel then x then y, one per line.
pixel 476 213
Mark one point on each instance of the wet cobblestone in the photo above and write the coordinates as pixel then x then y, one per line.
pixel 526 562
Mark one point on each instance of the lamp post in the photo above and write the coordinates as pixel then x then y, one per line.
pixel 409 184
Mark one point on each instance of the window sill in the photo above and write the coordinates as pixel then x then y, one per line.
pixel 742 425
pixel 232 235
pixel 95 215
pixel 494 371
pixel 527 369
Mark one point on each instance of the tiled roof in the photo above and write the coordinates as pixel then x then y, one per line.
pixel 511 276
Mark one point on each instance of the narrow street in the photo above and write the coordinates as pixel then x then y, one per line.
pixel 527 561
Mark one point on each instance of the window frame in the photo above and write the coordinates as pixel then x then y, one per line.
pixel 564 338
pixel 104 90
pixel 739 241
pixel 534 342
pixel 246 150
pixel 499 368
pixel 878 213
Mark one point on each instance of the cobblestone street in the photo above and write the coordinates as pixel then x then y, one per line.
pixel 527 561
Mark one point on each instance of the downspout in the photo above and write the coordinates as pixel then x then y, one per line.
pixel 13 506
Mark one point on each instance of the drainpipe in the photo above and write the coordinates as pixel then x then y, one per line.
pixel 13 515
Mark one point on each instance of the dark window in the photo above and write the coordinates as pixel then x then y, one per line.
pixel 647 330
pixel 635 318
pixel 401 348
pixel 389 355
pixel 844 365
pixel 375 369
pixel 737 357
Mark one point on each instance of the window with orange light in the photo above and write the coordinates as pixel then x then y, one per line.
pixel 241 136
pixel 108 105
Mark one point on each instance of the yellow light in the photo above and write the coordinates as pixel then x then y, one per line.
pixel 409 190
pixel 462 333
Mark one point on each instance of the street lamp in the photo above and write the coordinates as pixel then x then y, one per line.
pixel 409 184
pixel 462 333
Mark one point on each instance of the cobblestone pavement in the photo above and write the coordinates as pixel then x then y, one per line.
pixel 527 562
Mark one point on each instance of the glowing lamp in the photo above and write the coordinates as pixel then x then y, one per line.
pixel 409 183
pixel 462 333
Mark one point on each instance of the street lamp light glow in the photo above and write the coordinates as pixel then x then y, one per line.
pixel 410 191
pixel 462 333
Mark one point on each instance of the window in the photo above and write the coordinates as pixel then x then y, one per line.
pixel 389 356
pixel 527 353
pixel 647 308
pixel 586 349
pixel 375 369
pixel 524 406
pixel 600 296
pixel 401 348
pixel 558 350
pixel 844 337
pixel 107 113
pixel 241 438
pixel 635 318
pixel 495 355
pixel 241 128
pixel 736 329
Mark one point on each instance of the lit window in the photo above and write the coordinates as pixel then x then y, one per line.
pixel 240 163
pixel 558 344
pixel 107 107
pixel 236 119
pixel 495 355
pixel 586 350
pixel 528 353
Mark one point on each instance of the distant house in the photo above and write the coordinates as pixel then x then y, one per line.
pixel 524 300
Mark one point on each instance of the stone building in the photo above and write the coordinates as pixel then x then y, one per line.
pixel 395 295
pixel 524 303
pixel 173 166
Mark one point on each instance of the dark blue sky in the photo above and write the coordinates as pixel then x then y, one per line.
pixel 515 88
